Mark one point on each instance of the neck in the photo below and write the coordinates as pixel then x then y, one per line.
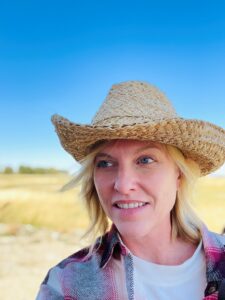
pixel 159 247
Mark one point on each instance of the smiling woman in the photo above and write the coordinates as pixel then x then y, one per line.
pixel 140 162
pixel 136 186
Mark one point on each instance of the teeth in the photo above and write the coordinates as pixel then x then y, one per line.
pixel 130 205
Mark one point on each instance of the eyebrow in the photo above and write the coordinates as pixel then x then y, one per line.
pixel 102 154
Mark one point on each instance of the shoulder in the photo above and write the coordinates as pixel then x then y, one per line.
pixel 81 271
pixel 86 259
pixel 213 240
pixel 220 238
pixel 70 274
pixel 84 270
pixel 214 248
pixel 86 262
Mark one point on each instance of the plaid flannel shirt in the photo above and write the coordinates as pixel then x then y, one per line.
pixel 107 274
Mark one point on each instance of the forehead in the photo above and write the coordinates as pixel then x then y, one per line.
pixel 132 145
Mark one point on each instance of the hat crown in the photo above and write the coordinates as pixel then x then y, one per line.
pixel 133 102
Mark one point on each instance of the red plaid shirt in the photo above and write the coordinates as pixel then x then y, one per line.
pixel 107 274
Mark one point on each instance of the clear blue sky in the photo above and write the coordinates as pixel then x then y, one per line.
pixel 63 56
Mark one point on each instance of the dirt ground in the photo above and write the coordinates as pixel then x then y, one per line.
pixel 27 254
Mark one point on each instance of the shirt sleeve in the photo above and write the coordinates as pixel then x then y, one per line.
pixel 50 288
pixel 47 292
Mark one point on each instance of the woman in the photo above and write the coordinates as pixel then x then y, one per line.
pixel 140 162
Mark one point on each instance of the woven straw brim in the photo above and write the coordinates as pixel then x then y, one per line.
pixel 201 141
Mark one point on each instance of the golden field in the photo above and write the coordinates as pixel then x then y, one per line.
pixel 56 222
pixel 36 200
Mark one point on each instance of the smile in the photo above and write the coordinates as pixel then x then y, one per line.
pixel 130 205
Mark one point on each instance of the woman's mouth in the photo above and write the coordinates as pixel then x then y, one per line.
pixel 130 205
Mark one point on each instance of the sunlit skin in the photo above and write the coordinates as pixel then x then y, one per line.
pixel 142 174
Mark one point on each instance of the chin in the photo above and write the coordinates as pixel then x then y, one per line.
pixel 132 230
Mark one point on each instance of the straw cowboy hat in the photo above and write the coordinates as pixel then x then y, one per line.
pixel 137 110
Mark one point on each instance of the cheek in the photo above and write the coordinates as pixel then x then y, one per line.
pixel 170 191
pixel 164 187
pixel 103 180
pixel 102 187
pixel 154 181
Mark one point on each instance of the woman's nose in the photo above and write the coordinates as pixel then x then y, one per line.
pixel 125 181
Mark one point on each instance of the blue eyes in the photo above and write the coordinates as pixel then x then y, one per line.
pixel 145 160
pixel 103 164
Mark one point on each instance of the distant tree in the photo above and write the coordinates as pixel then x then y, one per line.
pixel 25 170
pixel 8 170
pixel 29 170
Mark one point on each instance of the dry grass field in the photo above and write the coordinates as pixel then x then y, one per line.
pixel 36 200
pixel 56 222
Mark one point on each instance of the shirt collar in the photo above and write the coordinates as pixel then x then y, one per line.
pixel 214 249
pixel 111 245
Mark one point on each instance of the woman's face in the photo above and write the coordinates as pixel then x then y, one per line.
pixel 136 182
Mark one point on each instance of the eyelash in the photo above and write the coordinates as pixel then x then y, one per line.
pixel 107 164
pixel 145 157
pixel 103 164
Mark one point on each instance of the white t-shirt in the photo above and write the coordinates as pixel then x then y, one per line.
pixel 159 282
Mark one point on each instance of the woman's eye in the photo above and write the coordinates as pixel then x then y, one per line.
pixel 145 160
pixel 103 164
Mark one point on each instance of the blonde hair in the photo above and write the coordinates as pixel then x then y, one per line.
pixel 98 220
pixel 185 223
